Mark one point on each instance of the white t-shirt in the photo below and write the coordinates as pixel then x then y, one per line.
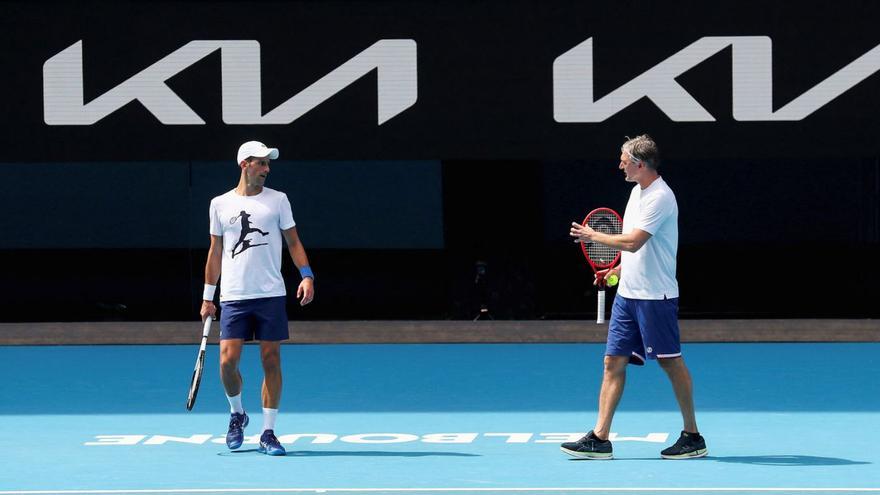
pixel 251 229
pixel 649 273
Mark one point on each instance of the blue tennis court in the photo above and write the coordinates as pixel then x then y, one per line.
pixel 438 418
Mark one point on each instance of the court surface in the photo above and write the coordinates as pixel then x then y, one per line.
pixel 438 418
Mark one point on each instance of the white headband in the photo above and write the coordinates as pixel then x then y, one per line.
pixel 634 157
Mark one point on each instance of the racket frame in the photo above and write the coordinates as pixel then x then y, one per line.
pixel 600 268
pixel 199 367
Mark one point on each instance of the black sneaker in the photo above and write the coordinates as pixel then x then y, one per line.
pixel 589 447
pixel 688 446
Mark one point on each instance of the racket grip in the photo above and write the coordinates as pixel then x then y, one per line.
pixel 600 306
pixel 206 330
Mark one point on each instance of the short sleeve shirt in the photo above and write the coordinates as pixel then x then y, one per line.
pixel 649 273
pixel 252 243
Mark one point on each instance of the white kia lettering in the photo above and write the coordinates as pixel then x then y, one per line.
pixel 752 78
pixel 63 99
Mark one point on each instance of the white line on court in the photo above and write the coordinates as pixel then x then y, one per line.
pixel 442 490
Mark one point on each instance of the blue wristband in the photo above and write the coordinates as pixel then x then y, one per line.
pixel 306 271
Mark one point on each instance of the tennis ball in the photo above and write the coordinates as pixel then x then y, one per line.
pixel 612 280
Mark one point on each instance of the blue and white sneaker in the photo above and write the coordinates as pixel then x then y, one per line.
pixel 270 445
pixel 235 434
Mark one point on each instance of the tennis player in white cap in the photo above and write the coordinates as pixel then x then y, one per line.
pixel 247 227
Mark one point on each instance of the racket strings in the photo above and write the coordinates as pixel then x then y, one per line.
pixel 607 223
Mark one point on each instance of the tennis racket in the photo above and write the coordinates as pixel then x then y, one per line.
pixel 200 365
pixel 599 256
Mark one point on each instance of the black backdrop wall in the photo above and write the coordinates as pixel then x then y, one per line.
pixel 420 138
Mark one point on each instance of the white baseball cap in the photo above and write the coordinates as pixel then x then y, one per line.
pixel 256 149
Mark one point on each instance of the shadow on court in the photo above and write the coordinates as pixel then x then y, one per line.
pixel 375 453
pixel 354 453
pixel 787 460
pixel 761 460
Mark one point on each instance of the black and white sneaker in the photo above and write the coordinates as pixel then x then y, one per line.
pixel 589 447
pixel 688 446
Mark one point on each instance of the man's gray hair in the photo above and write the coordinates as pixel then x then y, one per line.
pixel 642 149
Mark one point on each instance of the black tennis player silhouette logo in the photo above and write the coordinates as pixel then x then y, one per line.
pixel 246 230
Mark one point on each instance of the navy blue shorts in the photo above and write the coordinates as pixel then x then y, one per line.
pixel 254 319
pixel 643 329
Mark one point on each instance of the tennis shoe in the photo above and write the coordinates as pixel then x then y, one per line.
pixel 270 445
pixel 589 447
pixel 688 446
pixel 235 434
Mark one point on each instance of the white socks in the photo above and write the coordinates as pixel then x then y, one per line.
pixel 269 416
pixel 235 404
